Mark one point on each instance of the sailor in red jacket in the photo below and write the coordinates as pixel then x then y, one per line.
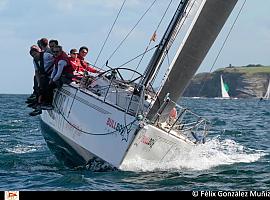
pixel 74 60
pixel 76 65
pixel 85 66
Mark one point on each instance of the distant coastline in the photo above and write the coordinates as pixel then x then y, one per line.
pixel 249 81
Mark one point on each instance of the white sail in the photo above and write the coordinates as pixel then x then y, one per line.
pixel 267 94
pixel 224 92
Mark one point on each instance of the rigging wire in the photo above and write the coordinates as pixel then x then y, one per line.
pixel 225 41
pixel 98 77
pixel 121 43
pixel 101 47
pixel 137 56
pixel 179 27
pixel 175 34
pixel 153 36
pixel 110 31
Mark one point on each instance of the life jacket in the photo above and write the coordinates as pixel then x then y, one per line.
pixel 85 65
pixel 68 70
pixel 75 64
pixel 40 66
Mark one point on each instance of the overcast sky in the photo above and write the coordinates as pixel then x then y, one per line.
pixel 86 22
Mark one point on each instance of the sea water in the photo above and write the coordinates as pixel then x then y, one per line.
pixel 236 155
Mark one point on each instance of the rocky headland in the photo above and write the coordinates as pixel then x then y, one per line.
pixel 243 82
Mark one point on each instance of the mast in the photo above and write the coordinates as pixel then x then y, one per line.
pixel 202 33
pixel 163 46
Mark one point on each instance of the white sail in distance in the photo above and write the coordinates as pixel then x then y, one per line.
pixel 224 92
pixel 267 94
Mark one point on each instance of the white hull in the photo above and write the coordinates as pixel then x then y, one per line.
pixel 155 145
pixel 91 126
pixel 95 129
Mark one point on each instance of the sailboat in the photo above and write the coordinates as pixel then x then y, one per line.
pixel 106 120
pixel 224 89
pixel 267 94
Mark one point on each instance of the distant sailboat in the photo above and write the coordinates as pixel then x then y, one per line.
pixel 224 89
pixel 267 94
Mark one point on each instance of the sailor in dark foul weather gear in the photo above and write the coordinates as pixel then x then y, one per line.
pixel 43 64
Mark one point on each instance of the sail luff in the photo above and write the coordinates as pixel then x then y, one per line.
pixel 209 22
pixel 224 93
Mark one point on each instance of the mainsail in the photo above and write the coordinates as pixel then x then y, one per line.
pixel 224 91
pixel 202 33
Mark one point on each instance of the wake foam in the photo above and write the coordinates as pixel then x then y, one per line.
pixel 21 149
pixel 213 153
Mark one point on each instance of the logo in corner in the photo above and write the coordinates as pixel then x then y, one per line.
pixel 11 195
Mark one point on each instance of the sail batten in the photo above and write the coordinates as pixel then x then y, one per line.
pixel 204 29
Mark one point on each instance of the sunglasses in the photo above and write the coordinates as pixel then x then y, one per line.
pixel 56 51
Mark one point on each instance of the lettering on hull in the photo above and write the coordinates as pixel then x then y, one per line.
pixel 60 102
pixel 148 141
pixel 123 130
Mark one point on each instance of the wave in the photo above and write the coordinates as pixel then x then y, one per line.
pixel 213 153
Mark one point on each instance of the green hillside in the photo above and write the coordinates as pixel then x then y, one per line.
pixel 249 69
